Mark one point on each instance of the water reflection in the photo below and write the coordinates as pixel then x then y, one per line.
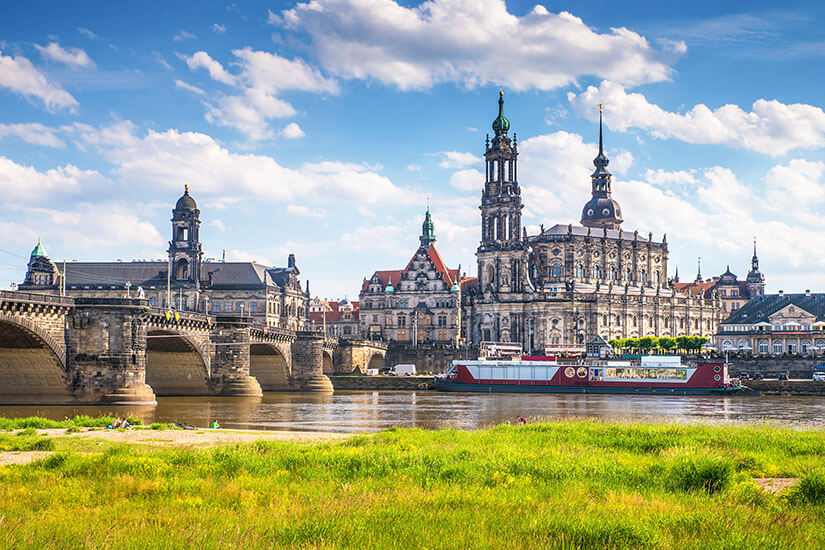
pixel 374 410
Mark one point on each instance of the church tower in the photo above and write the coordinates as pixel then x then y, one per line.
pixel 601 211
pixel 755 279
pixel 185 248
pixel 427 231
pixel 501 254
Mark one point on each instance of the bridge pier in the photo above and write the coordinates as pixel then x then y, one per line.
pixel 106 351
pixel 230 364
pixel 308 363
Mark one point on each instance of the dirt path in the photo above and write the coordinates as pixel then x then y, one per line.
pixel 174 438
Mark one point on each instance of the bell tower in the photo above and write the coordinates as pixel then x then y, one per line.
pixel 500 253
pixel 185 248
pixel 601 211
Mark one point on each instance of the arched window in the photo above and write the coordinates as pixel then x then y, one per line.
pixel 658 278
pixel 619 320
pixel 611 275
pixel 580 271
pixel 634 320
pixel 182 271
pixel 556 271
pixel 597 273
pixel 643 277
pixel 627 275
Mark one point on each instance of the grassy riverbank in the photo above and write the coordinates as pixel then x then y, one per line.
pixel 566 484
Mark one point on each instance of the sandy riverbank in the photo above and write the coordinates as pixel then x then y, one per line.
pixel 175 438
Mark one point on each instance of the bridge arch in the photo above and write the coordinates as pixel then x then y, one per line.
pixel 269 366
pixel 328 363
pixel 32 364
pixel 376 361
pixel 176 364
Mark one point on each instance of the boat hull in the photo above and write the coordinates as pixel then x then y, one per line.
pixel 448 385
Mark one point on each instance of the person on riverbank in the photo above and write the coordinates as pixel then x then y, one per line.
pixel 214 425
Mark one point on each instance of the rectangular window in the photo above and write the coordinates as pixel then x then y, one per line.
pixel 227 307
pixel 239 307
pixel 402 321
pixel 791 347
pixel 216 307
pixel 442 320
pixel 153 301
pixel 253 307
pixel 777 348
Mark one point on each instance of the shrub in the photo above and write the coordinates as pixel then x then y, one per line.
pixel 700 472
pixel 811 488
pixel 27 432
pixel 43 444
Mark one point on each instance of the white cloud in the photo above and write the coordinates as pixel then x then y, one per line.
pixel 263 75
pixel 771 127
pixel 183 35
pixel 467 180
pixel 469 42
pixel 413 167
pixel 292 131
pixel 202 60
pixel 33 133
pixel 87 33
pixel 455 160
pixel 664 178
pixel 218 28
pixel 189 88
pixel 299 210
pixel 20 76
pixel 25 184
pixel 73 57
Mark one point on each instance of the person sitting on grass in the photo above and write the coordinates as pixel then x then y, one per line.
pixel 214 425
pixel 115 424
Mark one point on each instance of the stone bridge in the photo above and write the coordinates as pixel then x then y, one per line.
pixel 121 351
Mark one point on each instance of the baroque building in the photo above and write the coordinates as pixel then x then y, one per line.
pixel 420 303
pixel 554 291
pixel 271 296
pixel 337 319
pixel 776 324
pixel 731 292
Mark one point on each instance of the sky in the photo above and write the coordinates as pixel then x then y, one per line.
pixel 324 128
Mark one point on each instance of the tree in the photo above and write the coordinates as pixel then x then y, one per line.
pixel 683 342
pixel 667 343
pixel 631 343
pixel 616 344
pixel 647 343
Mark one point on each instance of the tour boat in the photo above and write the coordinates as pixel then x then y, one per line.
pixel 655 374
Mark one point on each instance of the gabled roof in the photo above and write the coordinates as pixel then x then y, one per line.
pixel 334 313
pixel 393 276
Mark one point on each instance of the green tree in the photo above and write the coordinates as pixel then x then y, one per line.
pixel 616 344
pixel 647 343
pixel 683 343
pixel 667 343
pixel 631 343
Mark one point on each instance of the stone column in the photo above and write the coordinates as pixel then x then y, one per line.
pixel 106 351
pixel 230 365
pixel 308 363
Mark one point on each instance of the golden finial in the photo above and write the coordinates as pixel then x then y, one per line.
pixel 600 108
pixel 186 187
pixel 501 91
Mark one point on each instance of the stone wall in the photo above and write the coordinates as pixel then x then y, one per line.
pixel 430 359
pixel 365 383
pixel 770 367
pixel 787 387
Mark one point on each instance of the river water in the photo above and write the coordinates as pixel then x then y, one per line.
pixel 366 411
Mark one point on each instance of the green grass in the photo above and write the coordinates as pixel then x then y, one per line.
pixel 79 421
pixel 558 485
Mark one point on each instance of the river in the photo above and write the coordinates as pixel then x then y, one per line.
pixel 367 411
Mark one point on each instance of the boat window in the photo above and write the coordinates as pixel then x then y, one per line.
pixel 646 374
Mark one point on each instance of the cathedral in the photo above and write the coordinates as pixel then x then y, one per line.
pixel 555 291
pixel 271 296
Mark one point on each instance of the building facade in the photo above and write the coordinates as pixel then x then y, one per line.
pixel 554 291
pixel 270 295
pixel 337 319
pixel 732 293
pixel 417 304
pixel 776 325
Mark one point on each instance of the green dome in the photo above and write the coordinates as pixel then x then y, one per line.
pixel 389 288
pixel 455 287
pixel 501 125
pixel 39 251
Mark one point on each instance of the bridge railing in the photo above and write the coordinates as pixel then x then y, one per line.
pixel 33 297
pixel 183 314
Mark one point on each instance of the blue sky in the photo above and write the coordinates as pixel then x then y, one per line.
pixel 323 128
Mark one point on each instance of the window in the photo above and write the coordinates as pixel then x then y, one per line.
pixel 627 274
pixel 734 293
pixel 611 275
pixel 734 306
pixel 253 307
pixel 388 321
pixel 777 348
pixel 347 331
pixel 239 307
pixel 806 347
pixel 556 271
pixel 227 307
pixel 442 320
pixel 375 318
pixel 723 292
pixel 644 276
pixel 634 320
pixel 402 321
pixel 763 346
pixel 791 347
pixel 597 273
pixel 580 271
pixel 153 301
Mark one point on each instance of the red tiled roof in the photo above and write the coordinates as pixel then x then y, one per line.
pixel 393 276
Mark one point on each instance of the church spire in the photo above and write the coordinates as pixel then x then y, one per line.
pixel 601 210
pixel 427 230
pixel 699 270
